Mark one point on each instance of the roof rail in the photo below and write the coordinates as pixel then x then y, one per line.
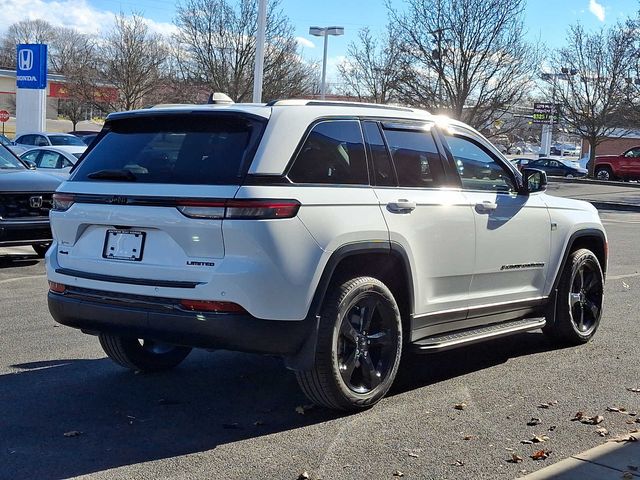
pixel 336 103
pixel 219 97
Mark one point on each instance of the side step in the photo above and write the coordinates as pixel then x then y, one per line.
pixel 465 337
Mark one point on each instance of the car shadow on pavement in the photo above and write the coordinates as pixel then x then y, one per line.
pixel 113 417
pixel 418 370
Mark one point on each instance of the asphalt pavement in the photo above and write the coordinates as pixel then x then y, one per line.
pixel 238 416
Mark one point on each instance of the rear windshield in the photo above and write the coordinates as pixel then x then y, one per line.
pixel 61 140
pixel 189 148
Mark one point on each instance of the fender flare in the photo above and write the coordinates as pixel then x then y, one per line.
pixel 304 358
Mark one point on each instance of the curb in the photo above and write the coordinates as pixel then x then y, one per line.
pixel 583 181
pixel 615 459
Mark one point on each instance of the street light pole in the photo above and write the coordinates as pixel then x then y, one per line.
pixel 325 32
pixel 260 40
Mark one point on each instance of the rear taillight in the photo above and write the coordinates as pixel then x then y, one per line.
pixel 239 209
pixel 211 306
pixel 57 287
pixel 62 201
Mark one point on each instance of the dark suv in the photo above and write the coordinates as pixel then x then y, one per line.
pixel 25 201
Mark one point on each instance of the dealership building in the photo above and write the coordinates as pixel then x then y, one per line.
pixel 55 92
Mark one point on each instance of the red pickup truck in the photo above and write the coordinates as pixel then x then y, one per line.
pixel 625 166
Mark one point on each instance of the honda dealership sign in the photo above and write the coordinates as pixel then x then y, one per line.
pixel 31 88
pixel 31 66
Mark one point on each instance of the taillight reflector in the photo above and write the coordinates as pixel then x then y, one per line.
pixel 211 306
pixel 57 287
pixel 62 201
pixel 239 209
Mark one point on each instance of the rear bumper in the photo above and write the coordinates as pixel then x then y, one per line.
pixel 165 322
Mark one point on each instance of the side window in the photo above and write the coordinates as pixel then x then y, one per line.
pixel 26 140
pixel 382 167
pixel 333 153
pixel 477 168
pixel 66 163
pixel 49 159
pixel 31 156
pixel 40 141
pixel 416 158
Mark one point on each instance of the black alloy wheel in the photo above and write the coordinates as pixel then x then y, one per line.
pixel 585 298
pixel 366 347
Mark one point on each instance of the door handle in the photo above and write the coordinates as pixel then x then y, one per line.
pixel 401 206
pixel 486 206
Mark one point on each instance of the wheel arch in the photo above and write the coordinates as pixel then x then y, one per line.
pixel 386 261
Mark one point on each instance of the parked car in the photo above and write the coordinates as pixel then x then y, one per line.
pixel 87 136
pixel 53 159
pixel 25 201
pixel 27 141
pixel 339 236
pixel 625 166
pixel 558 168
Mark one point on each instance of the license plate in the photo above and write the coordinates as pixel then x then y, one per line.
pixel 123 245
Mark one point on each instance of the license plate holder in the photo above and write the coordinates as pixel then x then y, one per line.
pixel 124 245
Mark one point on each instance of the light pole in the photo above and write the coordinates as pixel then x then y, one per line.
pixel 325 32
pixel 259 65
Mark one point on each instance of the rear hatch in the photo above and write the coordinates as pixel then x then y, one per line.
pixel 147 200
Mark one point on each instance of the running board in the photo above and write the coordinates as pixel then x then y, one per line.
pixel 473 335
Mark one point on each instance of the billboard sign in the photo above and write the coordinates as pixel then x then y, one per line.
pixel 31 66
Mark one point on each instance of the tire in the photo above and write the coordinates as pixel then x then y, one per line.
pixel 144 355
pixel 41 249
pixel 603 173
pixel 355 368
pixel 580 300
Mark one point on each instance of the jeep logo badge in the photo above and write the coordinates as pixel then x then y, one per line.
pixel 35 202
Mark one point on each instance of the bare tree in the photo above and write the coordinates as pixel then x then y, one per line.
pixel 373 67
pixel 466 58
pixel 25 31
pixel 132 60
pixel 589 80
pixel 217 40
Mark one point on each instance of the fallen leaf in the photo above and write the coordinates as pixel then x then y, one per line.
pixel 625 285
pixel 634 390
pixel 578 416
pixel 460 406
pixel 304 476
pixel 515 458
pixel 598 419
pixel 72 433
pixel 630 438
pixel 526 442
pixel 398 473
pixel 458 463
pixel 533 422
pixel 552 428
pixel 469 437
pixel 413 454
pixel 603 432
pixel 541 455
pixel 613 409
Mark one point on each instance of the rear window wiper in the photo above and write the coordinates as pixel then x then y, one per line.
pixel 113 175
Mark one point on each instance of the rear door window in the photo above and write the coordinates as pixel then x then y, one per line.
pixel 333 153
pixel 205 149
pixel 416 158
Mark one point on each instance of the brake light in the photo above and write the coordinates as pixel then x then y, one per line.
pixel 211 306
pixel 62 201
pixel 239 209
pixel 57 287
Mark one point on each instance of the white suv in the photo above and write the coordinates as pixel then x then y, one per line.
pixel 335 235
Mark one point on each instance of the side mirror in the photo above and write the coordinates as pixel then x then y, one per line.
pixel 30 164
pixel 534 180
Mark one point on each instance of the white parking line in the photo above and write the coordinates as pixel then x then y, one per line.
pixel 8 280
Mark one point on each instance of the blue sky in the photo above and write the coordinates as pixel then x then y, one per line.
pixel 546 20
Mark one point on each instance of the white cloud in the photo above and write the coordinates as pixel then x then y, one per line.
pixel 597 9
pixel 304 42
pixel 77 14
